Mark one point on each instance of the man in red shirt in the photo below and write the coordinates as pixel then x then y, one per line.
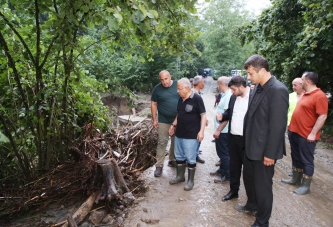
pixel 304 132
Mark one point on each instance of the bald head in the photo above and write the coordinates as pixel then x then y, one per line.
pixel 297 85
pixel 165 78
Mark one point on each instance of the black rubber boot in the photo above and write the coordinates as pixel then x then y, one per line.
pixel 305 186
pixel 190 182
pixel 180 174
pixel 296 178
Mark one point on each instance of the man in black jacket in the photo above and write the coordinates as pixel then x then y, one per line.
pixel 264 131
pixel 235 113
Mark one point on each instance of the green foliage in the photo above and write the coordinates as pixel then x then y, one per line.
pixel 222 49
pixel 3 138
pixel 295 36
pixel 48 70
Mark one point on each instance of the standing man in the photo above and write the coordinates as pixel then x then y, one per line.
pixel 293 99
pixel 190 122
pixel 308 118
pixel 164 100
pixel 221 132
pixel 264 129
pixel 237 109
pixel 295 96
pixel 198 84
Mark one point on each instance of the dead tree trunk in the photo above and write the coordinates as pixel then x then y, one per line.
pixel 114 184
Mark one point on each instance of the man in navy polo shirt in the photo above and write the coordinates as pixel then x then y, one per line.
pixel 189 125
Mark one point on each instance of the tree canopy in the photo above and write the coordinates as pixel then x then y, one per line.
pixel 47 88
pixel 295 36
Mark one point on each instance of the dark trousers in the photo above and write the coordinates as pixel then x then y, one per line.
pixel 263 187
pixel 236 154
pixel 302 153
pixel 221 145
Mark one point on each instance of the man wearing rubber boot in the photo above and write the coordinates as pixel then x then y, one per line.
pixel 164 100
pixel 308 118
pixel 265 125
pixel 188 128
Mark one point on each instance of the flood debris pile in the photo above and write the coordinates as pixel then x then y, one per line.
pixel 104 166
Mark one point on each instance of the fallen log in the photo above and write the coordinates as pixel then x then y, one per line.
pixel 83 210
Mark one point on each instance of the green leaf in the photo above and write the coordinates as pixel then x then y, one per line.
pixel 85 8
pixel 3 138
pixel 150 15
pixel 155 13
pixel 143 27
pixel 113 24
pixel 119 17
pixel 139 15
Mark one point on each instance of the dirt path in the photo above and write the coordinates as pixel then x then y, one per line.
pixel 169 205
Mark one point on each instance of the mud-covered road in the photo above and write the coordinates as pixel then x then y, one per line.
pixel 169 205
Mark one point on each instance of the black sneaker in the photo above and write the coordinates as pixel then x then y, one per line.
pixel 200 160
pixel 172 163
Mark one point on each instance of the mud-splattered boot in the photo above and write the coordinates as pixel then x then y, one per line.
pixel 190 182
pixel 305 186
pixel 296 178
pixel 180 174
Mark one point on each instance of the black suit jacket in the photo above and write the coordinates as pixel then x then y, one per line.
pixel 265 122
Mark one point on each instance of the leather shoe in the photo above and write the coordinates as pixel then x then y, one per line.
pixel 216 173
pixel 218 163
pixel 158 171
pixel 245 210
pixel 221 180
pixel 229 196
pixel 172 163
pixel 200 160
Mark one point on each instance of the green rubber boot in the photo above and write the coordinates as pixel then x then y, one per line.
pixel 190 182
pixel 180 174
pixel 296 178
pixel 305 187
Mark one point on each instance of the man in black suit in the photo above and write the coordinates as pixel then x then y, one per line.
pixel 235 113
pixel 264 131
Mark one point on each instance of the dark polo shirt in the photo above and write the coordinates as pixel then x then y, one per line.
pixel 189 116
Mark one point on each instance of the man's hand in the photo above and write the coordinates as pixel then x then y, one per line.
pixel 171 130
pixel 216 134
pixel 268 161
pixel 311 137
pixel 219 116
pixel 155 124
pixel 200 136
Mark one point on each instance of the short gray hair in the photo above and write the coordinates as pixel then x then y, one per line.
pixel 224 80
pixel 197 79
pixel 186 82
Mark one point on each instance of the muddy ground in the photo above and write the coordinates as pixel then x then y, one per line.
pixel 169 205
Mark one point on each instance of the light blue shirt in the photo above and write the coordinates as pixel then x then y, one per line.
pixel 223 105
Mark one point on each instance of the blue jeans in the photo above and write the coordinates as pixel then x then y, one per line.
pixel 221 145
pixel 198 149
pixel 186 149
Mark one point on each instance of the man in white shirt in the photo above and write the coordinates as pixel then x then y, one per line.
pixel 238 106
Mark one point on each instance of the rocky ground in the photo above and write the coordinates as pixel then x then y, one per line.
pixel 169 205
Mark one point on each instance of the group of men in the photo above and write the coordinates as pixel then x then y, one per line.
pixel 250 128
